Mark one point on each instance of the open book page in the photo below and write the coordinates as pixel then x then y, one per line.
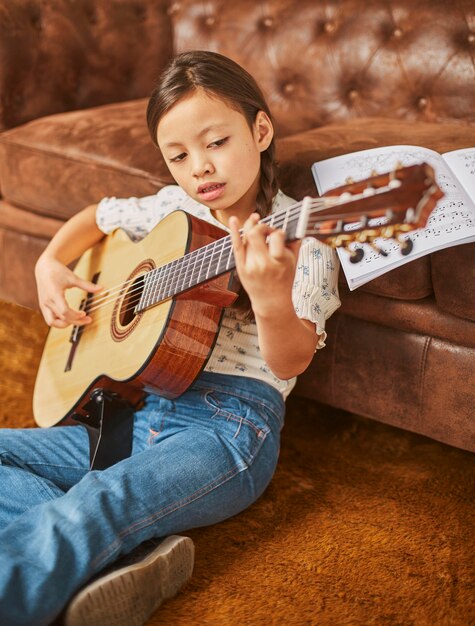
pixel 462 164
pixel 452 222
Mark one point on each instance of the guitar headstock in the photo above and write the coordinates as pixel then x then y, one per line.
pixel 386 205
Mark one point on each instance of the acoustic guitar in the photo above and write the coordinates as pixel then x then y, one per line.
pixel 156 320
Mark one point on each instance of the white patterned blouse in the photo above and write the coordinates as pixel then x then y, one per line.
pixel 236 352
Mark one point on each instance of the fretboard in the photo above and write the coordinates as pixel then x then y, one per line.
pixel 205 263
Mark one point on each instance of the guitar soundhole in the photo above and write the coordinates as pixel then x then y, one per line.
pixel 130 301
pixel 124 318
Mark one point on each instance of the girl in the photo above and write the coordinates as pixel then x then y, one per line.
pixel 208 454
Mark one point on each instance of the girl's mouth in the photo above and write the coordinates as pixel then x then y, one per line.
pixel 211 191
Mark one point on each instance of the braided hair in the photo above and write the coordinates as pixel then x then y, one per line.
pixel 220 76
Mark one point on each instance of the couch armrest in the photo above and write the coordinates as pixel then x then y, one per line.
pixel 61 55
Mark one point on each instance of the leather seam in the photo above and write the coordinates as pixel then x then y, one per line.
pixel 422 371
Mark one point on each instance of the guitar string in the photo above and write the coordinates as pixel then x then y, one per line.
pixel 98 317
pixel 133 301
pixel 292 210
pixel 205 253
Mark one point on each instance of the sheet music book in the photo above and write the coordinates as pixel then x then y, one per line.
pixel 451 223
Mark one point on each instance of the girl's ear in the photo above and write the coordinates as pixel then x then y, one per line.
pixel 263 131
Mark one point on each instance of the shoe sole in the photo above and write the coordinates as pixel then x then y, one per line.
pixel 129 595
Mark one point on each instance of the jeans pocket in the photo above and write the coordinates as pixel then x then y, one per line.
pixel 238 422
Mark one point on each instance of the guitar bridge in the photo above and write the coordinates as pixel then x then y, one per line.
pixel 78 330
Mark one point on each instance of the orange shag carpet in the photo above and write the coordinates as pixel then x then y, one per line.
pixel 362 523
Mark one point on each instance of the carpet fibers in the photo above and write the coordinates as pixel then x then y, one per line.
pixel 362 523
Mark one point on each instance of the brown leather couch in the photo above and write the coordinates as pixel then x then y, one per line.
pixel 340 76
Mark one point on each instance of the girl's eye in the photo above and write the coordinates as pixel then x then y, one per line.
pixel 218 142
pixel 178 158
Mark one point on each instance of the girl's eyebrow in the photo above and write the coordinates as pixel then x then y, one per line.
pixel 202 132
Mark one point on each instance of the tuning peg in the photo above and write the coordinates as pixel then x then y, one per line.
pixel 356 255
pixel 369 191
pixel 406 246
pixel 378 249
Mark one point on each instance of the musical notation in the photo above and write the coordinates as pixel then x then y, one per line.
pixel 452 221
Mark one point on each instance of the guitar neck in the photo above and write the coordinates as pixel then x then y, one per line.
pixel 208 262
pixel 402 199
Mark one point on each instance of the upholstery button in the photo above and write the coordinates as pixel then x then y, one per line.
pixel 288 88
pixel 422 103
pixel 173 8
pixel 210 20
pixel 471 38
pixel 140 14
pixel 91 17
pixel 353 95
pixel 268 22
pixel 397 33
pixel 329 27
pixel 36 22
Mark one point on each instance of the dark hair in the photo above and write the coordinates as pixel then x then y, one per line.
pixel 219 76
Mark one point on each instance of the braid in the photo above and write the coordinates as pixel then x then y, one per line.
pixel 269 186
pixel 268 182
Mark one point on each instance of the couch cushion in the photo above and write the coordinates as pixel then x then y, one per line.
pixel 424 317
pixel 61 163
pixel 455 290
pixel 408 379
pixel 58 164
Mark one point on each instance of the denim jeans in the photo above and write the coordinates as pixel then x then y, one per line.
pixel 195 461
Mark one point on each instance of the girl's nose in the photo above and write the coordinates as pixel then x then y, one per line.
pixel 202 167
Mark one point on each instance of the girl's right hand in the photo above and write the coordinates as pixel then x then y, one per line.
pixel 52 280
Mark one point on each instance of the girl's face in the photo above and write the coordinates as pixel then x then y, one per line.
pixel 213 154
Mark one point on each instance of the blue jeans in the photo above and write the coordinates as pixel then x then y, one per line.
pixel 196 460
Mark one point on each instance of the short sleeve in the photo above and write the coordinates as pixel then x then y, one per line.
pixel 315 289
pixel 138 216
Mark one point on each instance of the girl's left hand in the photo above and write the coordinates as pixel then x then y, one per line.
pixel 265 263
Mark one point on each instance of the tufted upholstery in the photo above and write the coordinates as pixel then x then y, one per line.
pixel 339 75
pixel 101 51
pixel 329 61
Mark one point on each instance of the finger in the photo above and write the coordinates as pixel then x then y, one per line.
pixel 86 285
pixel 250 223
pixel 277 247
pixel 52 320
pixel 257 239
pixel 64 312
pixel 238 244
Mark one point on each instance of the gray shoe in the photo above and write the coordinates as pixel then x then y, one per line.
pixel 128 592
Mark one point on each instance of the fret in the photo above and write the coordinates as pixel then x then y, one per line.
pixel 230 256
pixel 168 269
pixel 186 268
pixel 209 263
pixel 174 285
pixel 148 289
pixel 223 241
pixel 193 270
pixel 160 283
pixel 202 262
pixel 286 219
pixel 205 263
pixel 155 286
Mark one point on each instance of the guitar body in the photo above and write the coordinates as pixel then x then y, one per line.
pixel 161 349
